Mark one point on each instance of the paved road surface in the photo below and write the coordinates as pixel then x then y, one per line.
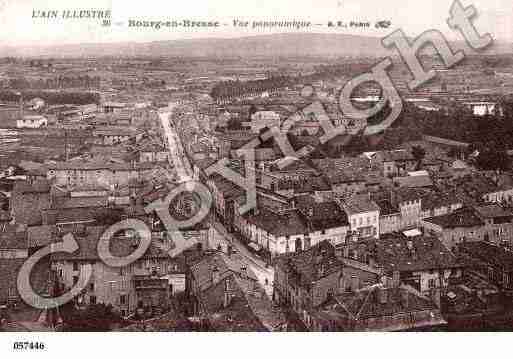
pixel 174 146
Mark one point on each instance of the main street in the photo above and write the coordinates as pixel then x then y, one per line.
pixel 184 171
pixel 175 148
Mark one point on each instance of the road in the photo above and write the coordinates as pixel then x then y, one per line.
pixel 175 148
pixel 184 172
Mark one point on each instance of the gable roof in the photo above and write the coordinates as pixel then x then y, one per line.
pixel 311 265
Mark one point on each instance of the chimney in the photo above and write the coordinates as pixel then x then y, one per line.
pixel 354 283
pixel 215 275
pixel 396 279
pixel 382 295
pixel 227 293
pixel 409 244
pixel 346 251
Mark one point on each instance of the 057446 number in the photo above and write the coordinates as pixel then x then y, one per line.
pixel 29 346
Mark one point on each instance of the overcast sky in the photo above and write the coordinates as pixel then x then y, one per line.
pixel 413 16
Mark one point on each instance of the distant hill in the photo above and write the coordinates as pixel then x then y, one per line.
pixel 264 46
pixel 295 44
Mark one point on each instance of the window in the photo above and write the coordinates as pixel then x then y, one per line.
pixel 432 283
pixel 91 287
pixel 75 266
pixel 75 279
pixel 122 299
pixel 92 299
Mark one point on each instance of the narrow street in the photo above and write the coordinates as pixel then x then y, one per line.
pixel 184 171
pixel 174 146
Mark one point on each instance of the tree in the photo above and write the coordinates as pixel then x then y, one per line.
pixel 418 153
pixel 94 318
pixel 493 159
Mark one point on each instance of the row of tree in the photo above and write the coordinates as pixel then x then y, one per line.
pixel 59 82
pixel 53 97
pixel 237 89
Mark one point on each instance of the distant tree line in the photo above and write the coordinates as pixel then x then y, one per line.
pixel 227 90
pixel 59 82
pixel 52 97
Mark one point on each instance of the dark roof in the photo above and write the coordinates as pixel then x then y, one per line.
pixel 79 202
pixel 226 187
pixel 386 207
pixel 364 310
pixel 414 181
pixel 493 211
pixel 306 184
pixel 396 156
pixel 226 265
pixel 93 165
pixel 398 252
pixel 287 223
pixel 26 187
pixel 488 253
pixel 341 170
pixel 359 203
pixel 41 236
pixel 463 217
pixel 12 238
pixel 321 216
pixel 120 247
pixel 311 265
pixel 434 200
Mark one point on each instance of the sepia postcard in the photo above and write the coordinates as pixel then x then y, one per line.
pixel 254 166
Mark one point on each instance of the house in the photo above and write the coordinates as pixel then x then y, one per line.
pixel 344 174
pixel 306 280
pixel 28 200
pixel 301 184
pixel 226 296
pixel 498 224
pixel 263 119
pixel 363 215
pixel 421 261
pixel 453 228
pixel 394 163
pixel 153 153
pixel 147 283
pixel 483 108
pixel 32 121
pixel 100 173
pixel 225 194
pixel 489 223
pixel 492 261
pixel 276 232
pixel 114 107
pixel 324 221
pixel 439 203
pixel 15 249
pixel 13 253
pixel 115 135
pixel 378 308
pixel 389 216
pixel 414 181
